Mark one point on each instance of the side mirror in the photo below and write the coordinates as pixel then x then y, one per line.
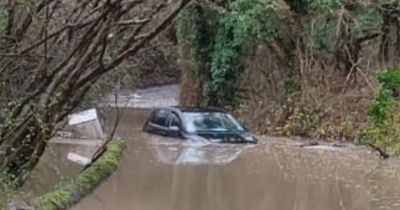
pixel 174 129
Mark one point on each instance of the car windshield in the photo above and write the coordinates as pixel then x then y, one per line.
pixel 210 122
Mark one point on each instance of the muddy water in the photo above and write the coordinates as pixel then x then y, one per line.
pixel 167 95
pixel 168 174
pixel 53 168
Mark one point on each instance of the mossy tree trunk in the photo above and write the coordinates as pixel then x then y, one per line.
pixel 195 35
pixel 192 85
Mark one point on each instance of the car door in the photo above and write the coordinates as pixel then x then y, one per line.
pixel 159 122
pixel 173 121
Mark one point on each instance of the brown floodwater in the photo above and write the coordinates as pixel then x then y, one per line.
pixel 54 168
pixel 170 174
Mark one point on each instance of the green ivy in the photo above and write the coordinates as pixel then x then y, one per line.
pixel 217 52
pixel 195 28
pixel 224 63
pixel 248 18
pixel 217 40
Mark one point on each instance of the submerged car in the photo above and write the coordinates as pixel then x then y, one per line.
pixel 203 124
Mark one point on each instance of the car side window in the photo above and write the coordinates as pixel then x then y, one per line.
pixel 160 118
pixel 174 120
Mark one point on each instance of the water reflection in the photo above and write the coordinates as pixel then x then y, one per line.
pixel 54 167
pixel 383 185
pixel 177 151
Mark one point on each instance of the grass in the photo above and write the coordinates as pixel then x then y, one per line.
pixel 74 190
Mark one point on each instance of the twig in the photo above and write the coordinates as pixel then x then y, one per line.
pixel 103 147
pixel 133 22
pixel 353 67
pixel 366 79
pixel 131 49
pixel 382 153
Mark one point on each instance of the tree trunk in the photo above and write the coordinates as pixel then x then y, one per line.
pixel 390 39
pixel 194 37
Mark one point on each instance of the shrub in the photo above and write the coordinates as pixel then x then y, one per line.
pixel 384 114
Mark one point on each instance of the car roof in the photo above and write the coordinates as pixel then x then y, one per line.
pixel 195 109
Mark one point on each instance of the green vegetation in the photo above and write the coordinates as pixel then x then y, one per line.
pixel 218 40
pixel 298 67
pixel 194 33
pixel 216 43
pixel 384 114
pixel 71 192
pixel 194 27
pixel 249 18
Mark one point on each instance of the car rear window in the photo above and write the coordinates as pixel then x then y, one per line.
pixel 160 118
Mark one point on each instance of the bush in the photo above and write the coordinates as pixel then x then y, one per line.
pixel 384 114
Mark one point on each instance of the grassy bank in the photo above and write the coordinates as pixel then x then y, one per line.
pixel 71 192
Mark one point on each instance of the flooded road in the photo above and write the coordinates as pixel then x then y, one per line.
pixel 54 167
pixel 169 174
pixel 167 95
